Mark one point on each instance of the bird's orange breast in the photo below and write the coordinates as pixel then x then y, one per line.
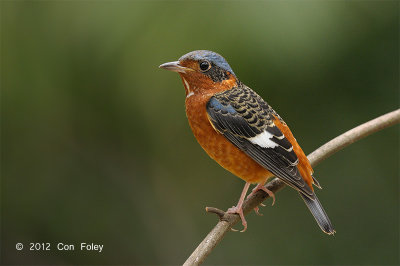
pixel 217 146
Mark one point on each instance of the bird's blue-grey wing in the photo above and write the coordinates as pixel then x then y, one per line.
pixel 246 120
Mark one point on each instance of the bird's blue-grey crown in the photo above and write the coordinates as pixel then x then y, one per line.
pixel 212 57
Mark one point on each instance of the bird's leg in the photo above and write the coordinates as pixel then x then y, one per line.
pixel 269 192
pixel 238 209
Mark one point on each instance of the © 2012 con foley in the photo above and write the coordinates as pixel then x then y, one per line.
pixel 83 246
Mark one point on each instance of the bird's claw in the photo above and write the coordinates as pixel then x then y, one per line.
pixel 236 210
pixel 257 210
pixel 271 194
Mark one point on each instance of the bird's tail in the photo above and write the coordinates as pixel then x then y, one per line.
pixel 319 214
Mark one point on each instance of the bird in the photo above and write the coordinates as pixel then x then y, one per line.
pixel 243 133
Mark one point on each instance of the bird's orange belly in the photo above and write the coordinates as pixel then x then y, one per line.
pixel 222 151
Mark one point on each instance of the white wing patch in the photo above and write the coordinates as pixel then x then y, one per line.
pixel 264 140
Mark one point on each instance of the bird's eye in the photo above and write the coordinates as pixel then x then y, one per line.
pixel 205 65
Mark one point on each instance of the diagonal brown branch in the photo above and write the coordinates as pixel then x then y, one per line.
pixel 228 220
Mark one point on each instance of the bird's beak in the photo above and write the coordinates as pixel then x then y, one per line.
pixel 174 66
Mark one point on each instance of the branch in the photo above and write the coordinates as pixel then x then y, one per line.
pixel 228 220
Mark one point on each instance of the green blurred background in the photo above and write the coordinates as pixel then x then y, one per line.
pixel 95 145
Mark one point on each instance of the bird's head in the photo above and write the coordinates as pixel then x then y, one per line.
pixel 203 71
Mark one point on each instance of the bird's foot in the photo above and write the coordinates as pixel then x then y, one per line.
pixel 239 211
pixel 269 192
pixel 266 190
